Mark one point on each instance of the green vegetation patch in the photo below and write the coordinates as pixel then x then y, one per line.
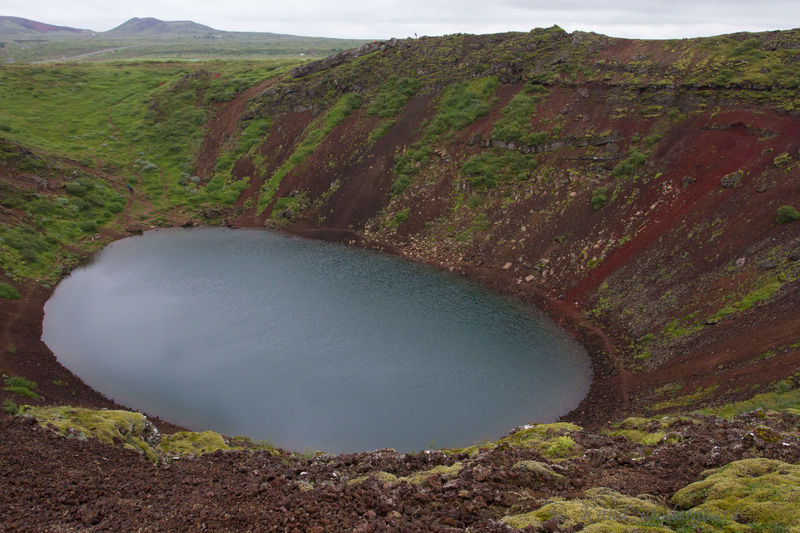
pixel 599 198
pixel 515 123
pixel 460 105
pixel 129 428
pixel 756 296
pixel 417 478
pixel 490 168
pixel 21 387
pixel 785 396
pixel 107 426
pixel 8 292
pixel 346 104
pixel 191 443
pixel 761 493
pixel 601 509
pixel 392 97
pixel 786 214
pixel 628 167
pixel 647 431
pixel 686 400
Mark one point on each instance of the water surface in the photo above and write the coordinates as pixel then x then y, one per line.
pixel 308 344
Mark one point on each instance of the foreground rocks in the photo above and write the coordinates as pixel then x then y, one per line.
pixel 538 478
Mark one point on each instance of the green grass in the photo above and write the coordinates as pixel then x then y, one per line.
pixel 754 297
pixel 34 247
pixel 515 122
pixel 460 105
pixel 345 105
pixel 775 400
pixel 141 121
pixel 21 387
pixel 628 167
pixel 10 407
pixel 8 292
pixel 490 168
pixel 599 198
pixel 392 96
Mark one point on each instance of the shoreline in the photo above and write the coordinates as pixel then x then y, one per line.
pixel 58 385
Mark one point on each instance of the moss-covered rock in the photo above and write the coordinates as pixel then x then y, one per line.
pixel 756 492
pixel 601 508
pixel 191 443
pixel 131 429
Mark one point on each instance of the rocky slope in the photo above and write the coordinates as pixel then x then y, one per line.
pixel 643 193
pixel 631 187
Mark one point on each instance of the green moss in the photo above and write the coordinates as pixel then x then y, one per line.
pixel 8 292
pixel 192 443
pixel 108 426
pixel 131 429
pixel 604 508
pixel 756 492
pixel 539 469
pixel 417 478
pixel 641 437
pixel 381 476
pixel 561 447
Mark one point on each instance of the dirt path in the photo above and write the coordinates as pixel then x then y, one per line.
pixel 87 54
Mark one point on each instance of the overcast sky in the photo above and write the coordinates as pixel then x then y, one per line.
pixel 379 19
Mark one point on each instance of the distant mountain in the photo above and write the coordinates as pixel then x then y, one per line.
pixel 153 26
pixel 18 26
pixel 28 41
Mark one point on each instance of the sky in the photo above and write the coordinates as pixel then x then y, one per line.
pixel 381 19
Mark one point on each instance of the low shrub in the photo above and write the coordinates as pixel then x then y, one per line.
pixel 599 198
pixel 786 214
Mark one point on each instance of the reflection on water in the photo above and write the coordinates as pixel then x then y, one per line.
pixel 308 344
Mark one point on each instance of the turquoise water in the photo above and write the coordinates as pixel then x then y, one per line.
pixel 308 344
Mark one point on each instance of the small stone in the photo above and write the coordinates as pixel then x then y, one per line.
pixel 435 483
pixel 688 180
pixel 742 261
pixel 530 278
pixel 506 266
pixel 794 255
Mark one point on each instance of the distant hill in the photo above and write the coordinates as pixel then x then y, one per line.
pixel 29 41
pixel 18 26
pixel 153 26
